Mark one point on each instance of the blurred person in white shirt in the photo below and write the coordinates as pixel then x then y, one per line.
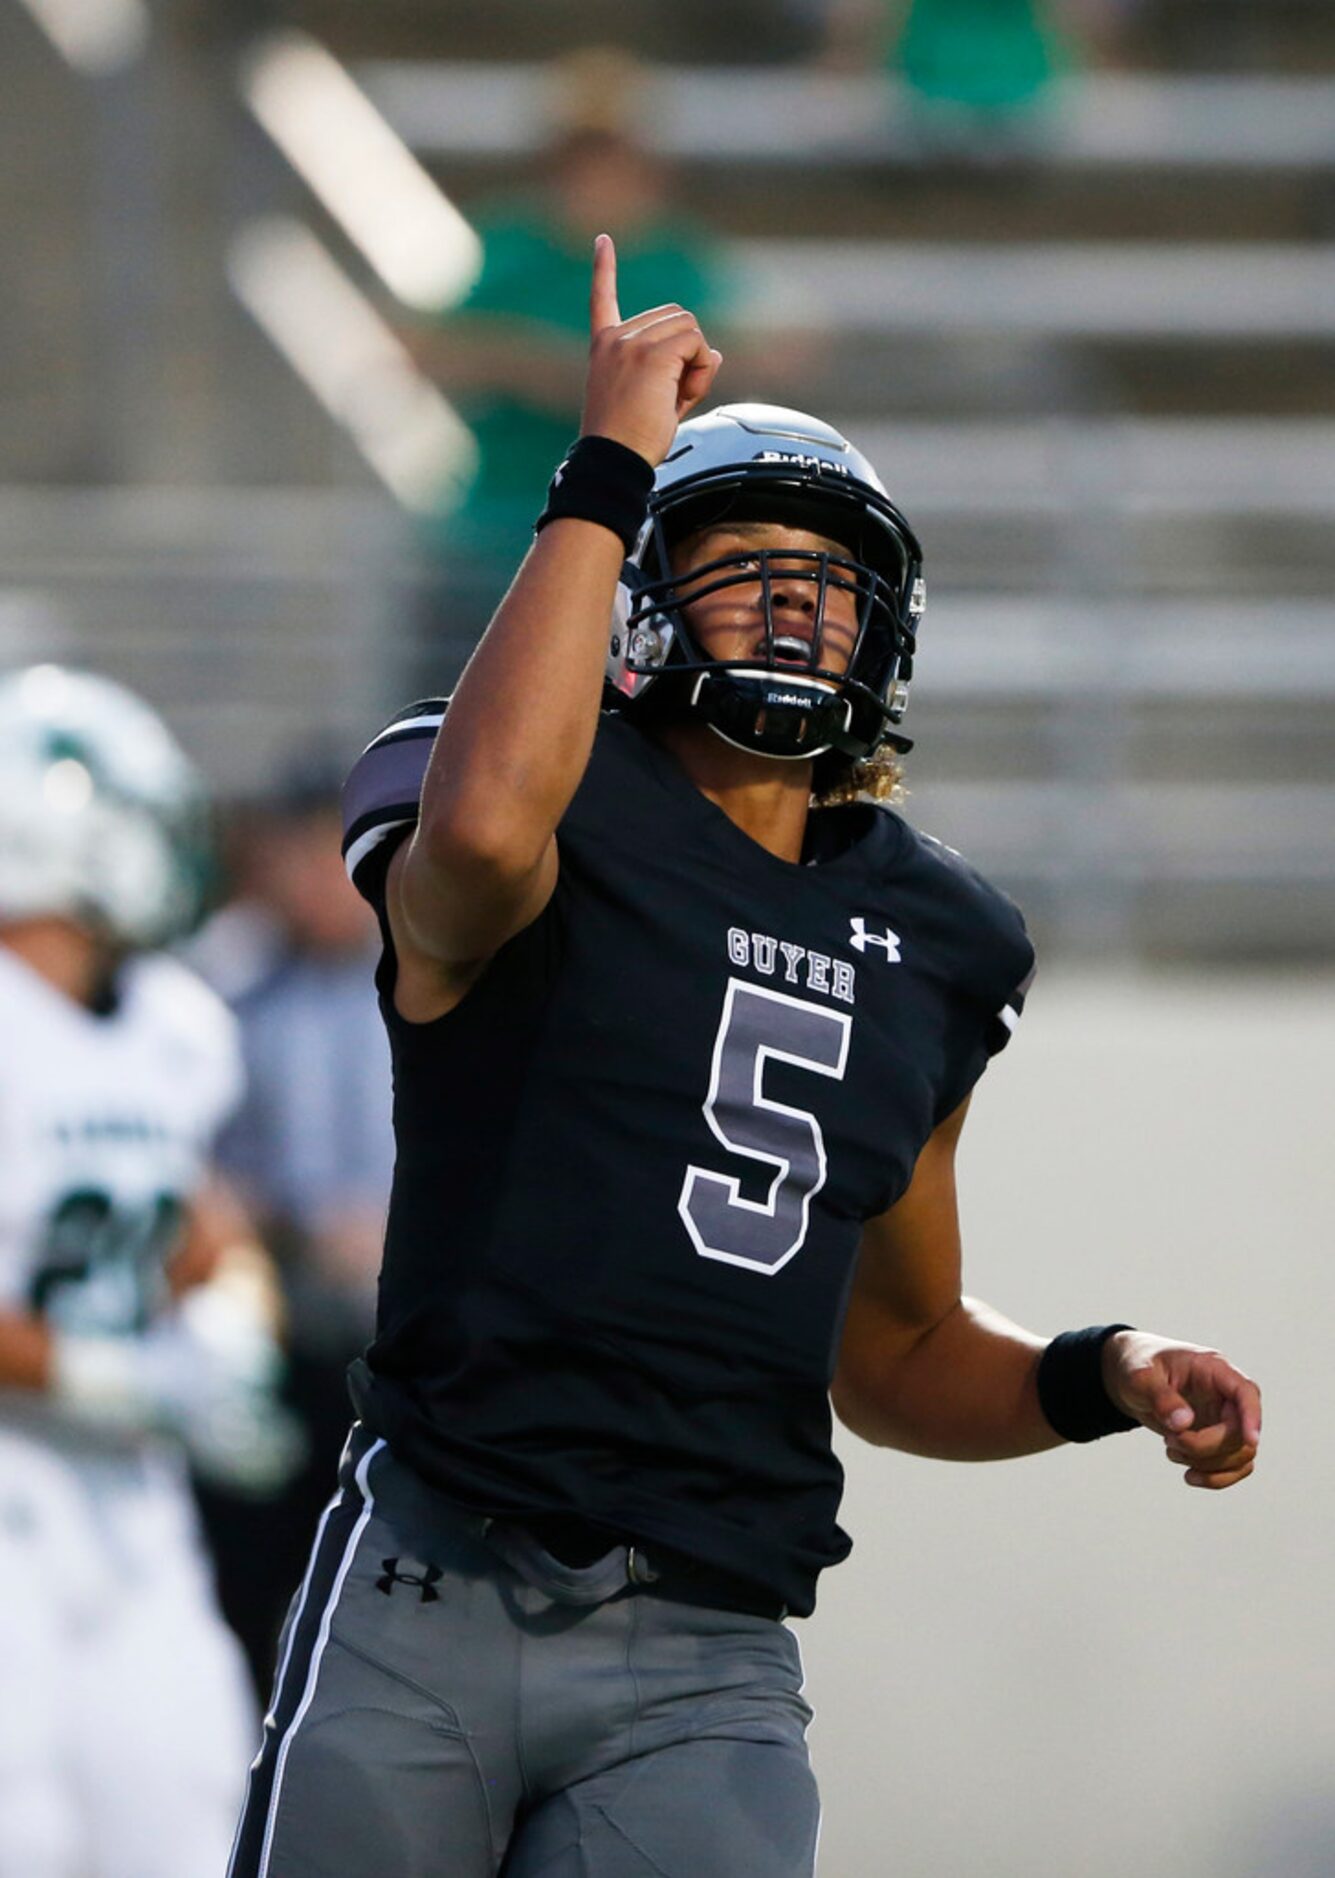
pixel 136 1315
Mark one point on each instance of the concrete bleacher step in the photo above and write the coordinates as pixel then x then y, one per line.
pixel 787 119
pixel 1112 156
pixel 1119 290
pixel 1148 467
pixel 1290 36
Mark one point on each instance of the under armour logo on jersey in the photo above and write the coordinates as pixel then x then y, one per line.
pixel 425 1584
pixel 861 938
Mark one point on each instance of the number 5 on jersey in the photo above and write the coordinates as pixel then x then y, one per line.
pixel 759 1026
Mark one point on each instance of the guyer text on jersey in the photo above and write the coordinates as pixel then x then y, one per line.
pixel 792 964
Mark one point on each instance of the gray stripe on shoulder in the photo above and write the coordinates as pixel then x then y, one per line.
pixel 384 777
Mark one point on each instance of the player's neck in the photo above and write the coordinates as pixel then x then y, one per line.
pixel 766 798
pixel 63 953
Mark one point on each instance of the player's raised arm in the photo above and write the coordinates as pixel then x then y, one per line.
pixel 482 862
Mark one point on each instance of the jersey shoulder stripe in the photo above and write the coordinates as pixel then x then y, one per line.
pixel 384 787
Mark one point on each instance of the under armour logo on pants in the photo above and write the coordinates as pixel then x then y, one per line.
pixel 425 1583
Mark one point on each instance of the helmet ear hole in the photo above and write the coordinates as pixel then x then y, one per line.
pixel 640 638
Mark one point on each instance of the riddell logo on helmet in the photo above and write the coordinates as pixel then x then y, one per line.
pixel 800 456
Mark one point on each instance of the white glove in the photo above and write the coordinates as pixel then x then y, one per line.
pixel 207 1372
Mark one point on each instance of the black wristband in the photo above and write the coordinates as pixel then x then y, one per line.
pixel 1070 1385
pixel 601 481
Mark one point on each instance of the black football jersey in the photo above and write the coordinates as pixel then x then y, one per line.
pixel 633 1163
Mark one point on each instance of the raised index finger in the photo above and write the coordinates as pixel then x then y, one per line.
pixel 603 308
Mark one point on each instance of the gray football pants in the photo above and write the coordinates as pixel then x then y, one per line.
pixel 438 1713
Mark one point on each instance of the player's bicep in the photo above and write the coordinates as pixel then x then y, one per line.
pixel 448 917
pixel 908 1276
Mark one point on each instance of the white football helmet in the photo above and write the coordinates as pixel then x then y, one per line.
pixel 103 819
pixel 760 463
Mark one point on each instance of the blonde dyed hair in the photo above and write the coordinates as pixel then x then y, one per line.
pixel 878 778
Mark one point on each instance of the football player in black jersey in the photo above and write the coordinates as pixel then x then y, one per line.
pixel 681 1062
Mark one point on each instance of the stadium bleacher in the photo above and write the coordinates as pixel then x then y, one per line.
pixel 1096 371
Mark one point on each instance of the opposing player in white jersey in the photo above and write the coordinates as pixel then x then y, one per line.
pixel 132 1327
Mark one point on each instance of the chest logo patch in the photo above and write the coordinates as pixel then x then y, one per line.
pixel 888 941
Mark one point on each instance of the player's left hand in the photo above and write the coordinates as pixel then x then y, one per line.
pixel 1207 1412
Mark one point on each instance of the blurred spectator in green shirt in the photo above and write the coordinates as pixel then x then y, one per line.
pixel 973 66
pixel 512 356
pixel 988 55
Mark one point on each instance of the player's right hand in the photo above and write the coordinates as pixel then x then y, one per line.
pixel 645 374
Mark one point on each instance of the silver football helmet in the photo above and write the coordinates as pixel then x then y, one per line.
pixel 103 819
pixel 759 463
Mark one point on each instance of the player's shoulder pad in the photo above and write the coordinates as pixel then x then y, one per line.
pixel 988 935
pixel 964 879
pixel 384 787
